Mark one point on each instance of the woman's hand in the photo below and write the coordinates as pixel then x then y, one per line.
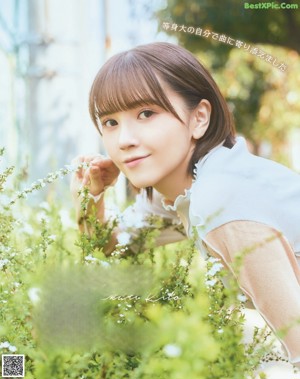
pixel 101 173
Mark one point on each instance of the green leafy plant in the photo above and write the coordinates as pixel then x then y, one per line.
pixel 142 312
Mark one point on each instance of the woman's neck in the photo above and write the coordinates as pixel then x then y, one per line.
pixel 171 189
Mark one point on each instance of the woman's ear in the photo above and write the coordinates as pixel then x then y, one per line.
pixel 200 119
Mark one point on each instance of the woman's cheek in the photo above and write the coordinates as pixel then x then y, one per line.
pixel 110 149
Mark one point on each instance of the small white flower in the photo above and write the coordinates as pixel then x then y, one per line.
pixel 132 219
pixel 172 350
pixel 5 344
pixel 220 331
pixel 214 269
pixel 241 297
pixel 52 237
pixel 34 185
pixel 41 182
pixel 123 238
pixel 34 294
pixel 13 349
pixel 211 283
pixel 90 258
pixel 17 284
pixel 183 262
pixel 3 262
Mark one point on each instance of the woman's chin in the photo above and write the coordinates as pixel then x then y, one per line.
pixel 141 184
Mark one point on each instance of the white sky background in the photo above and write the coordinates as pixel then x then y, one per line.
pixel 127 29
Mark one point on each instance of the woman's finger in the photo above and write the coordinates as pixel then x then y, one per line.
pixel 86 178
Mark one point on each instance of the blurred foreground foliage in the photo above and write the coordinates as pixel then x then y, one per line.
pixel 76 313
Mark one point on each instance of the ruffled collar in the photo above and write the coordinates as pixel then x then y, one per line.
pixel 179 201
pixel 202 160
pixel 181 206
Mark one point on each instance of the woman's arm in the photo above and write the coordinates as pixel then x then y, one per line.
pixel 269 275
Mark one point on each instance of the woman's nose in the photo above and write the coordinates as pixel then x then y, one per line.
pixel 127 137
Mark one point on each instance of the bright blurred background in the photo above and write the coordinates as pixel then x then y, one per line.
pixel 50 51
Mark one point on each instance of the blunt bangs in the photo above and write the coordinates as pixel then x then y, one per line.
pixel 126 81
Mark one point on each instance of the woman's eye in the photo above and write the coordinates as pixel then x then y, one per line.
pixel 109 123
pixel 146 114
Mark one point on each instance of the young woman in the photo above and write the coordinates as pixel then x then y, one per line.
pixel 167 128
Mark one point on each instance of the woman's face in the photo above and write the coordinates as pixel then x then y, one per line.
pixel 151 146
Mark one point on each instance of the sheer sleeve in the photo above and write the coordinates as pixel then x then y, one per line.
pixel 269 276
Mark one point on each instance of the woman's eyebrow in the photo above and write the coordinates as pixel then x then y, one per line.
pixel 129 106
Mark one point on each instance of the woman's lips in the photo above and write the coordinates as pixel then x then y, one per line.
pixel 135 161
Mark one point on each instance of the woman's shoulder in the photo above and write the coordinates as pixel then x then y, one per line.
pixel 225 169
pixel 252 188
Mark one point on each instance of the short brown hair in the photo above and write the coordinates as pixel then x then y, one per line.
pixel 130 79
